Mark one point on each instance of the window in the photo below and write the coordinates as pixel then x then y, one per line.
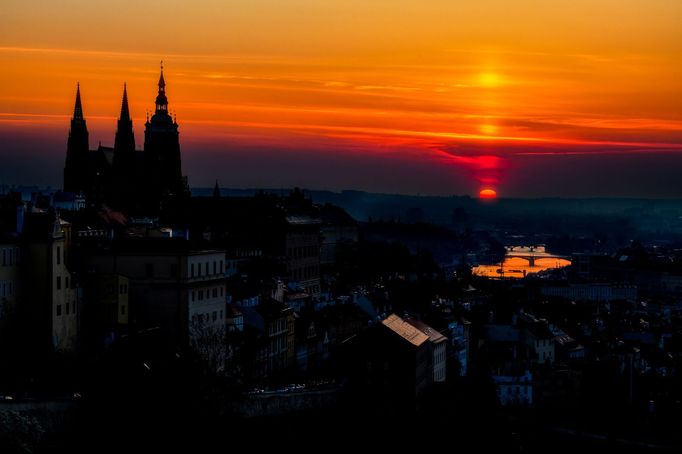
pixel 149 270
pixel 123 309
pixel 59 309
pixel 201 295
pixel 10 254
pixel 59 255
pixel 66 282
pixel 215 267
pixel 215 292
pixel 191 270
pixel 192 295
pixel 59 282
pixel 221 315
pixel 4 257
pixel 221 267
pixel 10 288
pixel 68 306
pixel 215 316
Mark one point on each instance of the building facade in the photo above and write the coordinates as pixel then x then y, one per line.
pixel 173 288
pixel 437 345
pixel 50 297
pixel 302 249
pixel 9 281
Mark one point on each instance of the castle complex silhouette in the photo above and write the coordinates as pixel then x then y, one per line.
pixel 134 181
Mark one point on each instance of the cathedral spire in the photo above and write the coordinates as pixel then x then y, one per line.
pixel 162 83
pixel 78 109
pixel 161 100
pixel 124 142
pixel 125 111
pixel 216 190
pixel 77 151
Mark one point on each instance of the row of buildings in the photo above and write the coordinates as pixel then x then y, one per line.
pixel 123 256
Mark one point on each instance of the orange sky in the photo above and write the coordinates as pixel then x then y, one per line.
pixel 467 85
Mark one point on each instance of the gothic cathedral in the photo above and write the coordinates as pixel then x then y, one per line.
pixel 133 181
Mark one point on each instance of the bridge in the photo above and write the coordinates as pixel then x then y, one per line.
pixel 531 253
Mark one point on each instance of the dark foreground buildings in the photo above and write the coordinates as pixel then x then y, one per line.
pixel 134 181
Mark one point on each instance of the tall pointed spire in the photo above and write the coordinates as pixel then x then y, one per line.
pixel 78 109
pixel 125 112
pixel 162 83
pixel 216 190
pixel 124 142
pixel 77 151
pixel 161 100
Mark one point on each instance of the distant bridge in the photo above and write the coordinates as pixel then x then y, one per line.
pixel 531 253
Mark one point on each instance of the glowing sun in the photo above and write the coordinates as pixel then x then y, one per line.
pixel 489 80
pixel 487 194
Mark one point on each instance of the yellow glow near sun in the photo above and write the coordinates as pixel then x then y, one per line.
pixel 488 129
pixel 489 79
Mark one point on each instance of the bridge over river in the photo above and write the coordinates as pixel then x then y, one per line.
pixel 532 253
pixel 522 260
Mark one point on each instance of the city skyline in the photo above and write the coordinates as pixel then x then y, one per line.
pixel 528 100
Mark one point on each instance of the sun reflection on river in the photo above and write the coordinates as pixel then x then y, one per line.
pixel 517 267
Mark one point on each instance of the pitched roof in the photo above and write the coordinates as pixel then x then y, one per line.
pixel 405 330
pixel 434 335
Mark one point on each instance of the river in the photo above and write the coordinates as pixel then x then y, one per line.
pixel 516 264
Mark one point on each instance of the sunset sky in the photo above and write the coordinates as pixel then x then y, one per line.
pixel 527 97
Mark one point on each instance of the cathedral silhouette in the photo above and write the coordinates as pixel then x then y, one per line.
pixel 137 182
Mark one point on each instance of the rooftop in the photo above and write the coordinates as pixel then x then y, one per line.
pixel 405 330
pixel 434 335
pixel 302 220
pixel 540 330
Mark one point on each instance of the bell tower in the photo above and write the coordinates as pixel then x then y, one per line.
pixel 162 163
